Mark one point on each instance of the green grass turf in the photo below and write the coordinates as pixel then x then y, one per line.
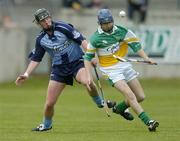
pixel 77 118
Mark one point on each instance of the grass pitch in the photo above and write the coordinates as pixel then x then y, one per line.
pixel 77 118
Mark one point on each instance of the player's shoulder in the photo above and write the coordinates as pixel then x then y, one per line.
pixel 94 37
pixel 121 28
pixel 40 35
pixel 62 24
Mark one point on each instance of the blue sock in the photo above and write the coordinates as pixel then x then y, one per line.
pixel 98 100
pixel 47 122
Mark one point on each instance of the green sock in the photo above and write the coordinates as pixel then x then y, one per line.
pixel 121 107
pixel 144 117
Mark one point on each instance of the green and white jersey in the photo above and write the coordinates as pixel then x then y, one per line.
pixel 105 45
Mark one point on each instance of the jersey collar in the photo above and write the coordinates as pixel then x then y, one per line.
pixel 100 31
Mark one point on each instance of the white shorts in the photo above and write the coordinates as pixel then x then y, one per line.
pixel 119 71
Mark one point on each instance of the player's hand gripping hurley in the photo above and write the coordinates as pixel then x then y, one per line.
pixel 101 91
pixel 122 14
pixel 133 60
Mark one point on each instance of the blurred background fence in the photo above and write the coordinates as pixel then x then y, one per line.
pixel 160 34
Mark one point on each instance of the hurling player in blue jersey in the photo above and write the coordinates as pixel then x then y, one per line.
pixel 62 42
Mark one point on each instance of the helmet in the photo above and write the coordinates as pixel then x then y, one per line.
pixel 41 14
pixel 105 16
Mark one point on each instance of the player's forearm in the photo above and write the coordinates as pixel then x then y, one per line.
pixel 84 45
pixel 142 54
pixel 32 65
pixel 88 67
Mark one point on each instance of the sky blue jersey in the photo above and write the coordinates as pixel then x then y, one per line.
pixel 63 45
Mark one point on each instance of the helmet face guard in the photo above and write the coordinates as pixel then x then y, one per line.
pixel 41 14
pixel 105 16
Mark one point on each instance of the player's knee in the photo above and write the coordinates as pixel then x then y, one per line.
pixel 141 98
pixel 131 98
pixel 83 82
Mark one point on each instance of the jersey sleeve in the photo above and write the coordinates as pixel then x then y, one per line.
pixel 132 41
pixel 70 32
pixel 37 53
pixel 90 52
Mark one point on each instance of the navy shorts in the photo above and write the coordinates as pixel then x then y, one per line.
pixel 66 72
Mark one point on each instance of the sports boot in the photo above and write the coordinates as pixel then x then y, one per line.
pixel 152 125
pixel 110 104
pixel 126 114
pixel 41 128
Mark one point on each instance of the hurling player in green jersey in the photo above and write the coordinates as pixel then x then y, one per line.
pixel 109 40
